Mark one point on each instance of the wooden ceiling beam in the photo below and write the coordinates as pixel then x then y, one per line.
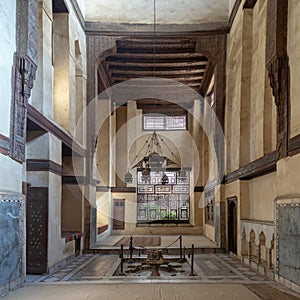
pixel 128 88
pixel 157 40
pixel 151 65
pixel 145 73
pixel 156 46
pixel 152 56
pixel 179 79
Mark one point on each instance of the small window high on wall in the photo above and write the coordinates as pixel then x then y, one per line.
pixel 164 122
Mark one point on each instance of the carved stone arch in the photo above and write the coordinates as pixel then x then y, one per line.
pixel 262 248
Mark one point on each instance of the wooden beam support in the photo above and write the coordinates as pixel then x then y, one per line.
pixel 45 124
pixel 277 64
pixel 167 56
pixel 254 169
pixel 157 73
pixel 182 79
pixel 150 65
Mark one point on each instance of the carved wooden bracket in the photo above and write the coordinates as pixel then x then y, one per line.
pixel 278 70
pixel 23 76
pixel 277 64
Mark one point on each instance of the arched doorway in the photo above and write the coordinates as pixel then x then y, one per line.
pixel 232 225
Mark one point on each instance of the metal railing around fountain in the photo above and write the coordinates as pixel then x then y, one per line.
pixel 155 257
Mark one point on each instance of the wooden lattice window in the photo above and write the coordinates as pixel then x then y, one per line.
pixel 164 122
pixel 160 203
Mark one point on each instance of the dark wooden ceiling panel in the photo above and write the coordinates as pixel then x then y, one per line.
pixel 170 58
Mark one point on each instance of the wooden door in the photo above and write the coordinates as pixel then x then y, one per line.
pixel 232 225
pixel 119 214
pixel 37 230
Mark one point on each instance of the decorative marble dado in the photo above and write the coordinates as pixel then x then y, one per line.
pixel 12 236
pixel 288 240
pixel 258 227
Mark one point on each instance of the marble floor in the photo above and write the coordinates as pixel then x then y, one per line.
pixel 217 276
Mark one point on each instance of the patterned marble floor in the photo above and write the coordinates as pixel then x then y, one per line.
pixel 208 268
pixel 215 269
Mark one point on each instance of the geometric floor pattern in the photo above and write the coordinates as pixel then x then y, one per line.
pixel 210 268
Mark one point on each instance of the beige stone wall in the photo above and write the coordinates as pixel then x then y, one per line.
pixel 293 51
pixel 288 180
pixel 233 93
pixel 250 124
pixel 262 192
pixel 103 208
pixel 60 89
pixel 262 108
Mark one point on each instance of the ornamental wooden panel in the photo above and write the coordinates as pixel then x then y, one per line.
pixel 37 230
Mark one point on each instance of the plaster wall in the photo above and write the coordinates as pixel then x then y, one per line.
pixel 69 59
pixel 258 74
pixel 141 11
pixel 262 192
pixel 8 47
pixel 121 144
pixel 209 231
pixel 71 217
pixel 77 68
pixel 288 180
pixel 293 52
pixel 42 91
pixel 233 92
pixel 103 144
pixel 250 122
pixel 197 133
pixel 11 175
pixel 61 61
pixel 103 208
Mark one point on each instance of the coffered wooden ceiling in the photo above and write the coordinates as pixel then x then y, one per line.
pixel 175 59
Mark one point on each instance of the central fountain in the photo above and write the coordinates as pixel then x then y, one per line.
pixel 154 259
pixel 152 263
